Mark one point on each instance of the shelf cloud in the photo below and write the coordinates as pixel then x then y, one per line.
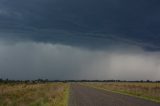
pixel 82 39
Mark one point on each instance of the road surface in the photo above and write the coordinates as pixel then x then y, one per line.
pixel 86 96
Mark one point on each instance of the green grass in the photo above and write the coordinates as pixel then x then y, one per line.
pixel 66 93
pixel 147 91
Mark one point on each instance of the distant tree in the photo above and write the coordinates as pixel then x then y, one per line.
pixel 1 80
pixel 26 81
pixel 148 81
pixel 46 80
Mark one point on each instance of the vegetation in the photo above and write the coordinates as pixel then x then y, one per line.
pixel 48 94
pixel 43 92
pixel 149 91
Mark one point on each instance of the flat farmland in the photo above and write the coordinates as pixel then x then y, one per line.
pixel 80 94
pixel 49 94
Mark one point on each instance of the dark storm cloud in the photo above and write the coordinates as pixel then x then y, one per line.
pixel 83 22
pixel 80 39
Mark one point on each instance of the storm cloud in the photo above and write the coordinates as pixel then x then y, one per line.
pixel 29 60
pixel 80 39
pixel 70 21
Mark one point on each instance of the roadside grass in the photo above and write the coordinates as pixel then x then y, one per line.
pixel 148 91
pixel 50 94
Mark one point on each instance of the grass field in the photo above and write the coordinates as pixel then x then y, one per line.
pixel 57 94
pixel 149 91
pixel 50 94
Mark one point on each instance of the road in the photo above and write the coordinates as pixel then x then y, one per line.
pixel 86 96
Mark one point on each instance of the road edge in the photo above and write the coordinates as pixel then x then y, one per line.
pixel 139 97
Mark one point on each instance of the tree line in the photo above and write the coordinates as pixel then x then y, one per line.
pixel 65 81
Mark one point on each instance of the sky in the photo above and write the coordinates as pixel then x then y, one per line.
pixel 80 39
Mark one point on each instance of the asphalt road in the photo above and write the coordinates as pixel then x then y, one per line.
pixel 86 96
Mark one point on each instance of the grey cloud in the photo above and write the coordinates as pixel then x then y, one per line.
pixel 29 60
pixel 80 39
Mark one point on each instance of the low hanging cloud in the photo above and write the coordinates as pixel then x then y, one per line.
pixel 32 60
pixel 70 22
